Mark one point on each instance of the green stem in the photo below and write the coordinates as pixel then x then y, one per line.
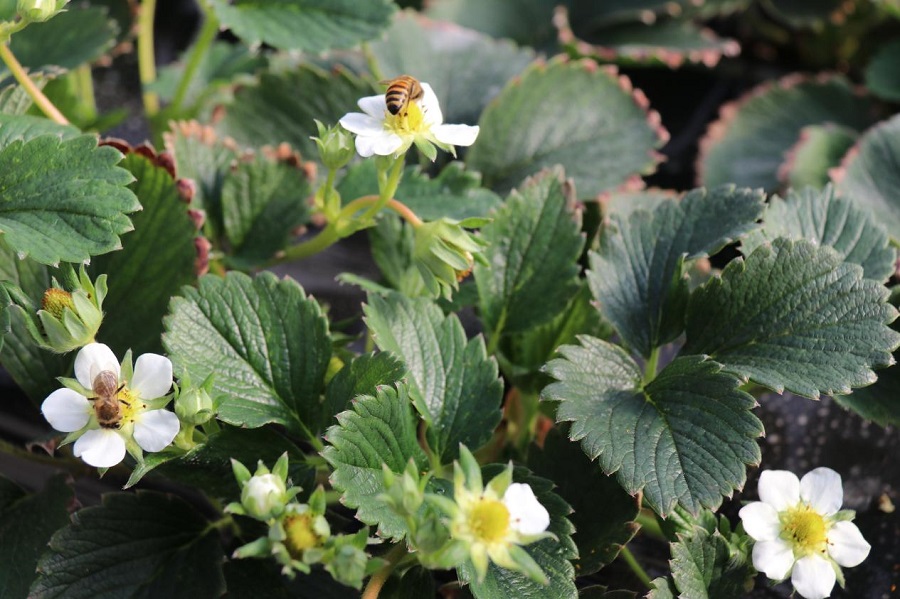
pixel 40 100
pixel 494 341
pixel 393 557
pixel 650 525
pixel 207 36
pixel 651 366
pixel 84 86
pixel 387 191
pixel 639 572
pixel 372 62
pixel 146 55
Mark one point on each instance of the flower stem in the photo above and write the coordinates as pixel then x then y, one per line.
pixel 494 340
pixel 650 525
pixel 393 557
pixel 146 55
pixel 199 51
pixel 639 572
pixel 387 191
pixel 84 86
pixel 651 365
pixel 42 101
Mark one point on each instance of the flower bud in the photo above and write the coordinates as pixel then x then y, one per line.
pixel 70 319
pixel 38 11
pixel 264 496
pixel 195 406
pixel 335 144
pixel 444 253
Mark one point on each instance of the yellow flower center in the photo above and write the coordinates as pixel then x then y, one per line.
pixel 130 403
pixel 56 300
pixel 805 529
pixel 407 122
pixel 489 520
pixel 300 535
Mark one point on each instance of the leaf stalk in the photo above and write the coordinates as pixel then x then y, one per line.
pixel 40 100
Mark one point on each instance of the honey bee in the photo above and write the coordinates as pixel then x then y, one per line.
pixel 400 92
pixel 106 399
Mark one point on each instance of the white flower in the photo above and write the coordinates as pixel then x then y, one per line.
pixel 380 132
pixel 800 532
pixel 103 431
pixel 526 514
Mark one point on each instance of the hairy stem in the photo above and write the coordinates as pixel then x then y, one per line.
pixel 42 101
pixel 146 55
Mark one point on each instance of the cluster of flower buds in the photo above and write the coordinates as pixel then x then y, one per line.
pixel 444 253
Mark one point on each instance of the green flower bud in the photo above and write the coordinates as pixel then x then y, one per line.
pixel 69 319
pixel 38 11
pixel 264 496
pixel 444 253
pixel 335 145
pixel 194 405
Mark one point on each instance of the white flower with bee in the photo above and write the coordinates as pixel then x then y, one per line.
pixel 110 408
pixel 409 113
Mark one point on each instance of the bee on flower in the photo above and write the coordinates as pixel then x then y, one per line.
pixel 408 114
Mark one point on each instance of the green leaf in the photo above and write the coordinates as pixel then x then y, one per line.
pixel 170 551
pixel 818 149
pixel 882 76
pixel 552 555
pixel 393 244
pixel 703 567
pixel 26 525
pixel 534 244
pixel 636 274
pixel 263 202
pixel 871 175
pixel 362 376
pixel 746 145
pixel 451 60
pixel 453 383
pixel 623 203
pixel 14 100
pixel 663 588
pixel 324 24
pixel 454 193
pixel 803 13
pixel 826 220
pixel 602 532
pixel 251 578
pixel 381 429
pixel 62 199
pixel 265 340
pixel 527 22
pixel 157 259
pixel 684 438
pixel 283 107
pixel 794 316
pixel 602 137
pixel 879 402
pixel 415 583
pixel 76 36
pixel 668 42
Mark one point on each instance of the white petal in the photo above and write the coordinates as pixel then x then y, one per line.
pixel 152 376
pixel 779 488
pixel 773 558
pixel 430 106
pixel 373 106
pixel 101 448
pixel 526 513
pixel 92 359
pixel 154 430
pixel 66 410
pixel 760 521
pixel 813 577
pixel 384 144
pixel 455 135
pixel 846 544
pixel 822 490
pixel 361 124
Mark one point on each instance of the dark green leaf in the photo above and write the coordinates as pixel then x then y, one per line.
pixel 14 100
pixel 794 316
pixel 266 342
pixel 568 113
pixel 453 382
pixel 820 217
pixel 684 438
pixel 157 259
pixel 78 35
pixel 451 60
pixel 746 145
pixel 26 525
pixel 880 402
pixel 636 274
pixel 882 74
pixel 26 128
pixel 263 202
pixel 871 174
pixel 552 555
pixel 363 376
pixel 703 568
pixel 802 13
pixel 393 244
pixel 624 203
pixel 818 149
pixel 534 243
pixel 381 429
pixel 136 545
pixel 310 25
pixel 415 583
pixel 527 22
pixel 256 578
pixel 600 533
pixel 61 200
pixel 663 588
pixel 283 107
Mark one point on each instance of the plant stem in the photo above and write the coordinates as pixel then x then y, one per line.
pixel 651 365
pixel 84 87
pixel 639 572
pixel 494 341
pixel 146 55
pixel 42 101
pixel 650 525
pixel 204 40
pixel 387 191
pixel 393 557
